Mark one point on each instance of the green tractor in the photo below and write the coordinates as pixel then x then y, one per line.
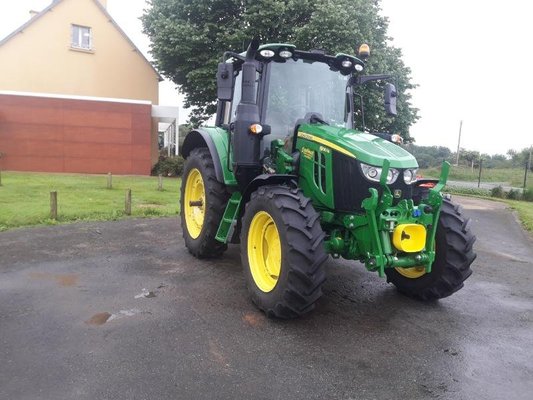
pixel 285 173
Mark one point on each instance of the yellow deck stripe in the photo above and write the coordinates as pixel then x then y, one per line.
pixel 317 139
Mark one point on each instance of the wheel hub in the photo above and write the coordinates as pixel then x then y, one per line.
pixel 264 251
pixel 194 203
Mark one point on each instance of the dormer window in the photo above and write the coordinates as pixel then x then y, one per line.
pixel 81 37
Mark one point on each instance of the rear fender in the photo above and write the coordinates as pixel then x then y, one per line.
pixel 217 142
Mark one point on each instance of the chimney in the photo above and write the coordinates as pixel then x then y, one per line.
pixel 33 13
pixel 103 3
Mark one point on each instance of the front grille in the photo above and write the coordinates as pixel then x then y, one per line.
pixel 350 187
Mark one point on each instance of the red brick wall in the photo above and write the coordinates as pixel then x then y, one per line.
pixel 67 135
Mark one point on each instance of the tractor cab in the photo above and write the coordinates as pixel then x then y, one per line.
pixel 285 88
pixel 296 85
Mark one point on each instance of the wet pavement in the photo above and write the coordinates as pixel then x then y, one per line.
pixel 120 310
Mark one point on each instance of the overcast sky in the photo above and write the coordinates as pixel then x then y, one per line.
pixel 471 59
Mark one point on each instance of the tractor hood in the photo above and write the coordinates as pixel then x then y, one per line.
pixel 367 148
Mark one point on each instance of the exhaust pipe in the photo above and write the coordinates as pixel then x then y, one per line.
pixel 247 145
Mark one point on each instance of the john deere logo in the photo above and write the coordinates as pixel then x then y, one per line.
pixel 307 153
pixel 397 193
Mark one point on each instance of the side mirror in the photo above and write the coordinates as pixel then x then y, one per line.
pixel 225 81
pixel 390 99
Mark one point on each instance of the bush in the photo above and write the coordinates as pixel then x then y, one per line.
pixel 527 195
pixel 468 191
pixel 169 166
pixel 514 194
pixel 497 192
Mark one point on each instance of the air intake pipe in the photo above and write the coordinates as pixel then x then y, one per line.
pixel 246 145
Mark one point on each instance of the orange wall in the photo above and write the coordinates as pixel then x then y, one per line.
pixel 67 135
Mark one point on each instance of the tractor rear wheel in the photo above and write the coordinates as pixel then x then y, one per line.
pixel 203 201
pixel 454 254
pixel 282 251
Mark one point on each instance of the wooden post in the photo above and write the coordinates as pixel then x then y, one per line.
pixel 53 205
pixel 109 180
pixel 525 175
pixel 480 168
pixel 127 207
pixel 528 166
pixel 159 184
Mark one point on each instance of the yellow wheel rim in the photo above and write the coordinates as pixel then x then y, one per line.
pixel 264 251
pixel 194 203
pixel 412 273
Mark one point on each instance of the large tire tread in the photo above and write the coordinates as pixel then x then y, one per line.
pixel 303 254
pixel 217 196
pixel 455 254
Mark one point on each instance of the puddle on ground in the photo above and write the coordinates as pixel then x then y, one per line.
pixel 60 279
pixel 254 320
pixel 145 293
pixel 103 317
pixel 99 319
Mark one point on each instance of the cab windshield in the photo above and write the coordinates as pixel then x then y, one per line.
pixel 299 87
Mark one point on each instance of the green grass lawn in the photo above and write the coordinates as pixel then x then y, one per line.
pixel 525 212
pixel 25 198
pixel 511 176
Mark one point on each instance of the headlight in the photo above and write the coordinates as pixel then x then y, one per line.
pixel 409 175
pixel 285 54
pixel 267 53
pixel 346 64
pixel 374 173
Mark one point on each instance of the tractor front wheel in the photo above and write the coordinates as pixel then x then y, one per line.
pixel 282 250
pixel 203 201
pixel 454 255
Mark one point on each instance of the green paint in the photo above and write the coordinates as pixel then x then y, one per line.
pixel 316 173
pixel 221 140
pixel 282 160
pixel 229 220
pixel 367 237
pixel 367 148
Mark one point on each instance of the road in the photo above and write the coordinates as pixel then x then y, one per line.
pixel 483 185
pixel 120 310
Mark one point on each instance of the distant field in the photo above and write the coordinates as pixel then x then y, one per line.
pixel 511 176
pixel 25 198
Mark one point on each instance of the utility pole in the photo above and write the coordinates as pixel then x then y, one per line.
pixel 459 143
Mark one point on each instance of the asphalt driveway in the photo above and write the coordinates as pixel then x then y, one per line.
pixel 120 310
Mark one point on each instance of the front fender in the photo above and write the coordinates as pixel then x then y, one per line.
pixel 264 180
pixel 260 180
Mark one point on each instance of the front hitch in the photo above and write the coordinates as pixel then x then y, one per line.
pixel 383 218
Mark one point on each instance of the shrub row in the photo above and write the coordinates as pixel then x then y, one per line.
pixel 513 194
pixel 168 166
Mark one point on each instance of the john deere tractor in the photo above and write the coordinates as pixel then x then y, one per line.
pixel 285 173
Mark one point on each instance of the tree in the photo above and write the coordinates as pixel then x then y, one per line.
pixel 189 37
pixel 470 156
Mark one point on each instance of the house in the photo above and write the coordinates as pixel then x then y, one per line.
pixel 77 95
